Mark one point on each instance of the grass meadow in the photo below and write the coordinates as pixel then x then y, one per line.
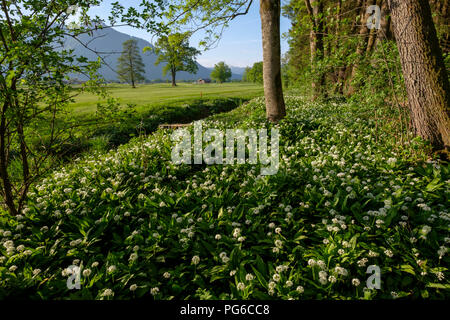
pixel 164 93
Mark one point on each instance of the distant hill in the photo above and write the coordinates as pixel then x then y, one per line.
pixel 237 70
pixel 109 41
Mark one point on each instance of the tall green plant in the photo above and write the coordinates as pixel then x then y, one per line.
pixel 34 89
pixel 221 72
pixel 130 67
pixel 175 51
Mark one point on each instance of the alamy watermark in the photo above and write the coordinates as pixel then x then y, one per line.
pixel 374 20
pixel 73 282
pixel 213 153
pixel 373 281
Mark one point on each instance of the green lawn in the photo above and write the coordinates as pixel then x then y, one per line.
pixel 151 94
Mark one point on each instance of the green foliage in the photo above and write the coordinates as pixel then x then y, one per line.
pixel 131 124
pixel 374 89
pixel 34 93
pixel 174 49
pixel 255 73
pixel 211 17
pixel 130 67
pixel 221 72
pixel 299 46
pixel 244 75
pixel 346 196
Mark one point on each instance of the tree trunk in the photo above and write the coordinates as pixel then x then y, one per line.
pixel 362 45
pixel 424 71
pixel 131 69
pixel 173 72
pixel 315 11
pixel 7 192
pixel 273 90
pixel 385 23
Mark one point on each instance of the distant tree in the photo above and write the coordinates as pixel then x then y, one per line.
pixel 221 72
pixel 255 74
pixel 424 70
pixel 245 75
pixel 130 66
pixel 285 70
pixel 174 49
pixel 212 17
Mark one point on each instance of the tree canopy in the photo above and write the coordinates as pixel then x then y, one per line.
pixel 221 72
pixel 130 67
pixel 174 49
pixel 255 73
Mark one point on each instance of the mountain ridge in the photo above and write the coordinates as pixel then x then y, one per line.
pixel 108 42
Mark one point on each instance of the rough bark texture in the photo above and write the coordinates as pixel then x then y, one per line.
pixel 273 91
pixel 173 72
pixel 424 71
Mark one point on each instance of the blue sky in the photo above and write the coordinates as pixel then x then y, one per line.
pixel 240 45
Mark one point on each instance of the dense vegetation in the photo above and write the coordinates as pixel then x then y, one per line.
pixel 87 177
pixel 346 196
pixel 141 110
pixel 221 72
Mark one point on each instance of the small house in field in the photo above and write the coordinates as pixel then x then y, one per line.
pixel 203 81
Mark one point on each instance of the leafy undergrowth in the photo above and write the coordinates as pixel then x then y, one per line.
pixel 346 196
pixel 176 112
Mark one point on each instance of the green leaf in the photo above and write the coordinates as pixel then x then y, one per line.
pixel 438 285
pixel 260 278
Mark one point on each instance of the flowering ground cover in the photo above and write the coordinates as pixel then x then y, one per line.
pixel 346 196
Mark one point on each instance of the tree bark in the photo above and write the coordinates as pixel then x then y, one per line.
pixel 424 71
pixel 273 91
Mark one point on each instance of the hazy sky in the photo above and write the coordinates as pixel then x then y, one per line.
pixel 239 46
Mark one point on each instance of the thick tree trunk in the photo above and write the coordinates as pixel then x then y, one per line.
pixel 273 91
pixel 173 72
pixel 424 71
